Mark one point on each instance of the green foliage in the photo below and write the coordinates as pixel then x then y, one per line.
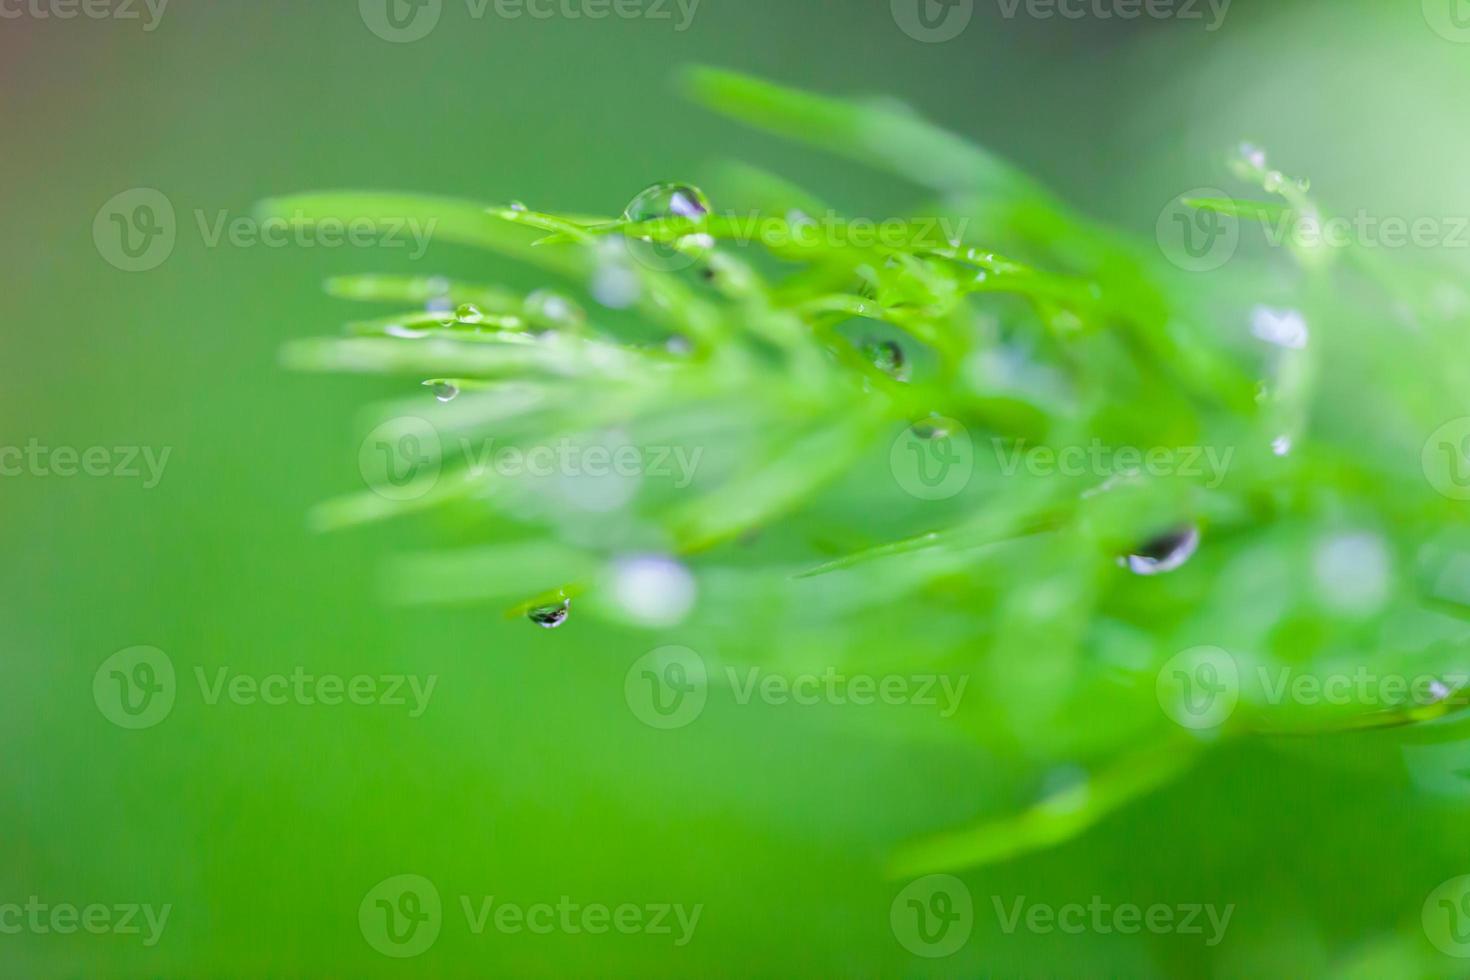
pixel 770 351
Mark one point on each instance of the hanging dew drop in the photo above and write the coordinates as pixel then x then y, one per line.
pixel 550 617
pixel 1164 553
pixel 667 200
pixel 443 390
pixel 888 357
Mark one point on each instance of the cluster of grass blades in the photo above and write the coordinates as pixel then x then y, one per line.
pixel 798 363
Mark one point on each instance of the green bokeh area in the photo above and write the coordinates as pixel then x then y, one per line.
pixel 271 832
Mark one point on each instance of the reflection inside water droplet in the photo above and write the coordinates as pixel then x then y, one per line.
pixel 888 357
pixel 443 390
pixel 469 313
pixel 1164 553
pixel 550 617
pixel 668 200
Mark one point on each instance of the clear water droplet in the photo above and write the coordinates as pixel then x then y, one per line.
pixel 443 390
pixel 888 357
pixel 931 428
pixel 518 206
pixel 552 616
pixel 551 309
pixel 1164 553
pixel 1284 328
pixel 1275 180
pixel 667 200
pixel 469 313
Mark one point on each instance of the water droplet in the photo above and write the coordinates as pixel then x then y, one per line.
pixel 469 313
pixel 888 357
pixel 668 200
pixel 1253 155
pixel 443 390
pixel 1284 328
pixel 653 590
pixel 552 309
pixel 933 427
pixel 1164 553
pixel 518 206
pixel 1281 445
pixel 550 617
pixel 1274 181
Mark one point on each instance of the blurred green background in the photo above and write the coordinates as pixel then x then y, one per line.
pixel 528 778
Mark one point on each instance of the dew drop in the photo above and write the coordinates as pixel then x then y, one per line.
pixel 1275 180
pixel 552 309
pixel 932 427
pixel 667 200
pixel 888 357
pixel 469 313
pixel 550 617
pixel 443 390
pixel 518 206
pixel 1164 553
